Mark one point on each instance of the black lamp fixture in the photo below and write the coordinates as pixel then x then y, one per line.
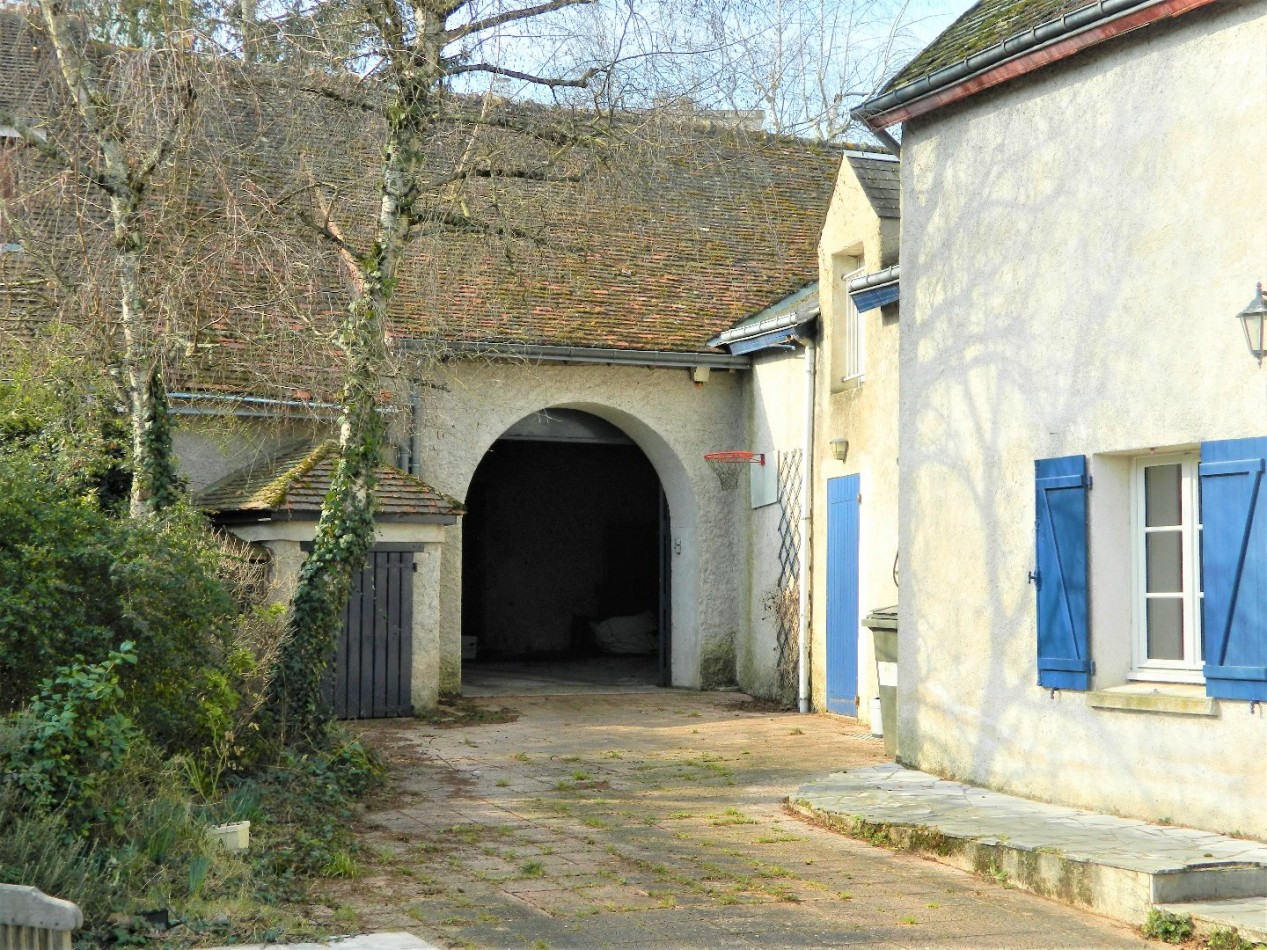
pixel 1255 327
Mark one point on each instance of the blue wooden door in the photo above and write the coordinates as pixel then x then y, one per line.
pixel 842 595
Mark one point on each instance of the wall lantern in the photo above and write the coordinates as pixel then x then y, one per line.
pixel 1252 317
pixel 839 449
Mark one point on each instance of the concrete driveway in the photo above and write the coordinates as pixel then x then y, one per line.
pixel 654 820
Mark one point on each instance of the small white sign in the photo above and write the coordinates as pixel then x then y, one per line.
pixel 763 481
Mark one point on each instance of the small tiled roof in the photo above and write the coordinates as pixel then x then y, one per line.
pixel 880 179
pixel 294 484
pixel 984 24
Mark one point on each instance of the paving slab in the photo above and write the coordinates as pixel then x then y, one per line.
pixel 655 821
pixel 379 941
pixel 1119 867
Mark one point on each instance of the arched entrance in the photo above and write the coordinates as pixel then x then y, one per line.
pixel 565 562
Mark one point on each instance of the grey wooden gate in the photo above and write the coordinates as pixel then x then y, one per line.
pixel 371 677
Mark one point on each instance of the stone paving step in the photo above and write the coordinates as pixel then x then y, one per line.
pixel 394 940
pixel 1119 867
pixel 1247 915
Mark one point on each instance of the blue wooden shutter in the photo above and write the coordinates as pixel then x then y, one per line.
pixel 1234 568
pixel 1061 577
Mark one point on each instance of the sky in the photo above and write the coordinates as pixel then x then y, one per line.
pixel 932 16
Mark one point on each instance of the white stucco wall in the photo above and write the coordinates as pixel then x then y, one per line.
pixel 776 396
pixel 1075 247
pixel 865 413
pixel 675 422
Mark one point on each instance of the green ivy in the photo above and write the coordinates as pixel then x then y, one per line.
pixel 73 735
pixel 294 710
pixel 158 486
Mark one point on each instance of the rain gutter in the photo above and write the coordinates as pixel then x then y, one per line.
pixel 887 276
pixel 247 406
pixel 807 527
pixel 1018 55
pixel 533 353
pixel 749 331
pixel 787 319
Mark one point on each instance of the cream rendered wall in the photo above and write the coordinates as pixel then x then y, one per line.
pixel 1075 247
pixel 675 422
pixel 210 447
pixel 777 425
pixel 865 413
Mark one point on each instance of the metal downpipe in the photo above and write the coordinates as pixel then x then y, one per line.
pixel 807 482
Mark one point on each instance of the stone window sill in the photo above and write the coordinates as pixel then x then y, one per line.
pixel 1180 699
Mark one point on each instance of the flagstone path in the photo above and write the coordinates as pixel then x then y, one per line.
pixel 655 820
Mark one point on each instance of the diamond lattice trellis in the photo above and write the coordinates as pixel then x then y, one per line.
pixel 788 599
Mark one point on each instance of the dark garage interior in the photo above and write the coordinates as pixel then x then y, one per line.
pixel 561 550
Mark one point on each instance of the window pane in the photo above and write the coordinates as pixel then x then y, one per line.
pixel 1161 495
pixel 1165 628
pixel 1165 562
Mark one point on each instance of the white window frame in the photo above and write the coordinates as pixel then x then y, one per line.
pixel 1189 669
pixel 855 348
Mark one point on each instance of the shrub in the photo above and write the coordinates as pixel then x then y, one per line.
pixel 76 582
pixel 36 849
pixel 1228 939
pixel 306 801
pixel 71 737
pixel 1167 927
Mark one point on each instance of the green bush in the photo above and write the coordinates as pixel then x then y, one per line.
pixel 76 582
pixel 306 802
pixel 36 849
pixel 70 739
pixel 1228 939
pixel 1167 927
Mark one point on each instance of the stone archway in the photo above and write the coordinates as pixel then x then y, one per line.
pixel 565 559
pixel 680 545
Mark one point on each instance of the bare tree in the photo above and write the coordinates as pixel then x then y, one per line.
pixel 804 63
pixel 109 120
pixel 407 56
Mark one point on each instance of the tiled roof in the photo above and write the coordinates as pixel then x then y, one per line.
pixel 294 484
pixel 880 179
pixel 984 24
pixel 677 232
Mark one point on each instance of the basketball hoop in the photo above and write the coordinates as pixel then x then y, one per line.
pixel 727 466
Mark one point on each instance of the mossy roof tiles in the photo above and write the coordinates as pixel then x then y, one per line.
pixel 985 23
pixel 677 232
pixel 295 482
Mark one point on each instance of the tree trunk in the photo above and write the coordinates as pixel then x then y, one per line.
pixel 123 178
pixel 155 484
pixel 294 707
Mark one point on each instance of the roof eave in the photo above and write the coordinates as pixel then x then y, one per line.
pixel 1018 55
pixel 242 516
pixel 545 353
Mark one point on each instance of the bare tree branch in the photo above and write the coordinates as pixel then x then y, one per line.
pixel 539 173
pixel 497 19
pixel 579 82
pixel 163 148
pixel 49 149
